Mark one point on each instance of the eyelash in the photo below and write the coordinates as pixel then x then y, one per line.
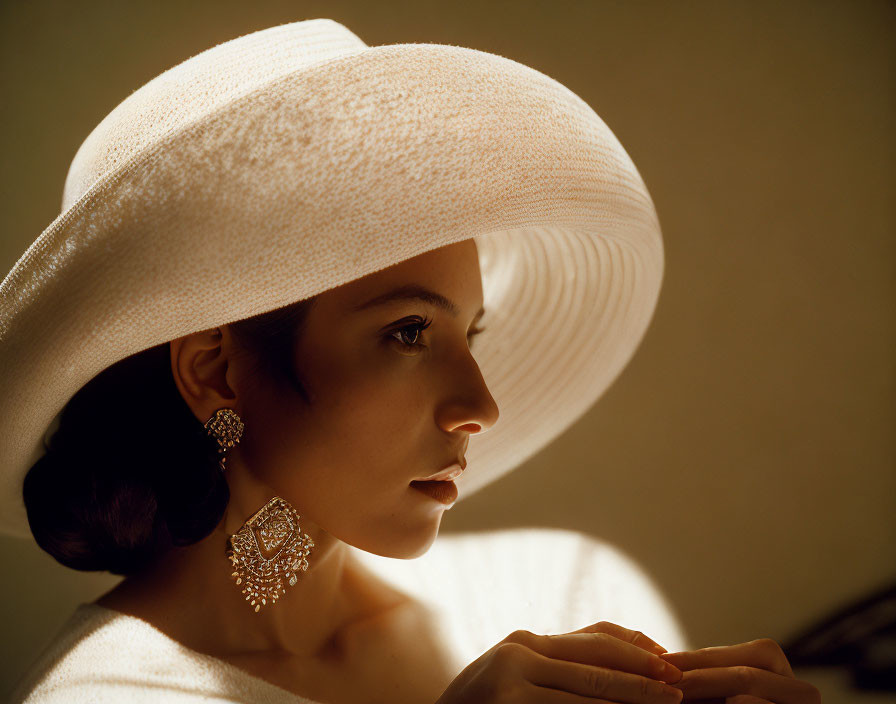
pixel 420 327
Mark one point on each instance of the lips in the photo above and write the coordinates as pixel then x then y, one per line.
pixel 448 473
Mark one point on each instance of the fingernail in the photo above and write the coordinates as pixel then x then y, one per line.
pixel 658 649
pixel 669 673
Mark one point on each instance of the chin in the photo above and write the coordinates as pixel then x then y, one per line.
pixel 420 551
pixel 411 545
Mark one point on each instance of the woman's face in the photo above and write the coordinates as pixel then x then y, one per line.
pixel 391 402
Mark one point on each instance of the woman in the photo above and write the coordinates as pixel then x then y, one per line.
pixel 266 297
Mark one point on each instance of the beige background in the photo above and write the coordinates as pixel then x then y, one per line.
pixel 746 456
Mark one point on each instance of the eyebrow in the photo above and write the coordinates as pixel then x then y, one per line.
pixel 420 293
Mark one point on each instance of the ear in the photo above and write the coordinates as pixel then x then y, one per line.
pixel 200 363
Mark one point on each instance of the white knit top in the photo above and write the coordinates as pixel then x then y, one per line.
pixel 482 585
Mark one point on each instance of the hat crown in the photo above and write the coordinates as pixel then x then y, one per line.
pixel 199 86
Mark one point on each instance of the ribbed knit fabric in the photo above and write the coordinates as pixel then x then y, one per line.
pixel 483 586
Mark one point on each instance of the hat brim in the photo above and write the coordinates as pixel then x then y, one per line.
pixel 323 176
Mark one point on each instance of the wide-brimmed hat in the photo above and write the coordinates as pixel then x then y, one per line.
pixel 278 165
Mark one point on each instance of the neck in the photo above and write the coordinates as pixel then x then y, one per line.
pixel 190 595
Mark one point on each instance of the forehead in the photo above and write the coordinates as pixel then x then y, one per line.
pixel 448 278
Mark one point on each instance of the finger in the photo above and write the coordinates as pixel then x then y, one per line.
pixel 739 680
pixel 600 682
pixel 599 649
pixel 629 636
pixel 746 699
pixel 763 653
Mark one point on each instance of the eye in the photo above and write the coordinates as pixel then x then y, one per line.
pixel 413 332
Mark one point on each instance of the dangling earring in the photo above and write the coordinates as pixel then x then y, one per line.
pixel 269 547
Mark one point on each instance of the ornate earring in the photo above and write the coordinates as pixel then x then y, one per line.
pixel 270 547
pixel 226 427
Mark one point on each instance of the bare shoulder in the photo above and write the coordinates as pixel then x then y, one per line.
pixel 398 647
pixel 399 652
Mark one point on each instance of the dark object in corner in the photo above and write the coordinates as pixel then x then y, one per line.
pixel 860 637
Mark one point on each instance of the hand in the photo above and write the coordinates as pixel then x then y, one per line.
pixel 756 672
pixel 602 663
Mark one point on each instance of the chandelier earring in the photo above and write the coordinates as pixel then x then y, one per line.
pixel 268 552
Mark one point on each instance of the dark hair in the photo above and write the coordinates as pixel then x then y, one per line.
pixel 130 472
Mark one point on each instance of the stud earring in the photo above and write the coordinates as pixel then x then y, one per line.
pixel 226 428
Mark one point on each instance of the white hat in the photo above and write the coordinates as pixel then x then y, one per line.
pixel 286 162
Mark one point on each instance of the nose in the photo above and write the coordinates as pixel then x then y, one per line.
pixel 468 404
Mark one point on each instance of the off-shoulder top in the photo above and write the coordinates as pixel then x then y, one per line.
pixel 482 586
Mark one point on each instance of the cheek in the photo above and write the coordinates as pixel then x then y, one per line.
pixel 374 381
pixel 370 441
pixel 371 409
pixel 383 411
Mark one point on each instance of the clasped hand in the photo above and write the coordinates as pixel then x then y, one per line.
pixel 756 672
pixel 610 664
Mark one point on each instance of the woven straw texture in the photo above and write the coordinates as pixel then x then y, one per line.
pixel 286 162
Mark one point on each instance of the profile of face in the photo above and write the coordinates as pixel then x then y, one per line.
pixel 395 394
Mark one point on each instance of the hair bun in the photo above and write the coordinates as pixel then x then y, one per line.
pixel 103 497
pixel 89 519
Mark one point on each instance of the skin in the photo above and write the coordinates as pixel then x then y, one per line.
pixel 755 672
pixel 383 413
